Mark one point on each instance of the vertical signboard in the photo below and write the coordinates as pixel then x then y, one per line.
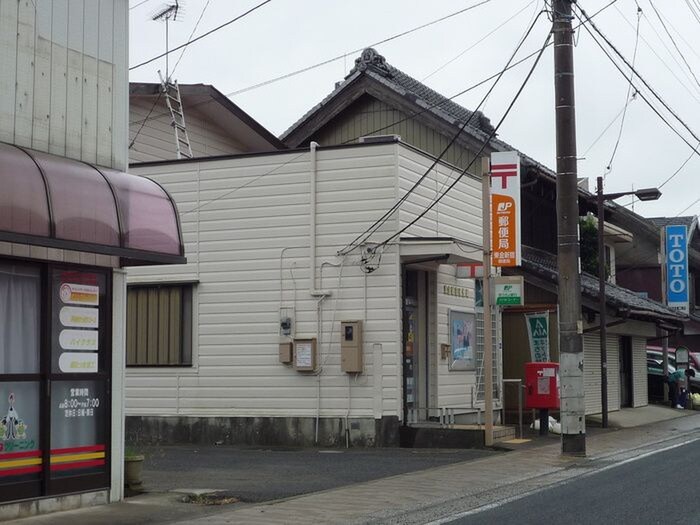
pixel 505 209
pixel 538 335
pixel 676 249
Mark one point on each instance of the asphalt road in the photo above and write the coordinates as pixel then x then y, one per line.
pixel 657 489
pixel 256 474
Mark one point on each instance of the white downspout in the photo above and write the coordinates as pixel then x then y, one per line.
pixel 312 219
pixel 312 225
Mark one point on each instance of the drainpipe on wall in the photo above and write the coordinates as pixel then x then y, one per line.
pixel 320 295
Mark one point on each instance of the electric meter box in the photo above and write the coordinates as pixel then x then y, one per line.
pixel 305 355
pixel 541 385
pixel 351 347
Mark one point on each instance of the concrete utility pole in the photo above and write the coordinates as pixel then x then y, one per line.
pixel 573 424
pixel 486 295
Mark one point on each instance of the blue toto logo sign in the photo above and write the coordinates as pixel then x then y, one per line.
pixel 677 294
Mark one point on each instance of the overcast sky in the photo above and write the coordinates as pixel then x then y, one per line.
pixel 286 35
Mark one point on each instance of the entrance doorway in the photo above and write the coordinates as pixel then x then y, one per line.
pixel 419 355
pixel 55 362
pixel 626 391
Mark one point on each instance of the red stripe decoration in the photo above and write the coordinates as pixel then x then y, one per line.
pixel 503 166
pixel 90 448
pixel 78 464
pixel 21 470
pixel 15 455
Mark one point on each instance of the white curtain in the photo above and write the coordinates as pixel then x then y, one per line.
pixel 19 319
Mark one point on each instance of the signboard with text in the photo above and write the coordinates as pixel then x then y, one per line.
pixel 676 249
pixel 505 209
pixel 508 290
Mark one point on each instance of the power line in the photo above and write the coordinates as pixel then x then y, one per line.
pixel 261 4
pixel 474 86
pixel 324 62
pixel 656 54
pixel 608 169
pixel 362 237
pixel 605 130
pixel 477 42
pixel 137 5
pixel 673 41
pixel 201 15
pixel 330 60
pixel 639 76
pixel 481 150
pixel 155 103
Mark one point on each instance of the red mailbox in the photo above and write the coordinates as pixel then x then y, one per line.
pixel 541 385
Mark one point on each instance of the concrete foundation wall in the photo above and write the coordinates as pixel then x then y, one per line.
pixel 269 431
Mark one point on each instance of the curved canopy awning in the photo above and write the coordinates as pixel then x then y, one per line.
pixel 52 201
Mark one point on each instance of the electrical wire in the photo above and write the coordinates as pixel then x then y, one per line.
pixel 428 108
pixel 517 63
pixel 155 103
pixel 344 55
pixel 640 77
pixel 605 130
pixel 477 42
pixel 181 46
pixel 673 41
pixel 608 169
pixel 362 237
pixel 139 4
pixel 656 54
pixel 201 15
pixel 481 150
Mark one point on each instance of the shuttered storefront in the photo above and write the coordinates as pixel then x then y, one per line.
pixel 591 373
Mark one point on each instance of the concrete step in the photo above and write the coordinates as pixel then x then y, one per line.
pixel 432 435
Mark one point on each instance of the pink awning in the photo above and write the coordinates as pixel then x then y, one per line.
pixel 46 200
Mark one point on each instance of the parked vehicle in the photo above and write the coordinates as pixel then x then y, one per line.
pixel 655 355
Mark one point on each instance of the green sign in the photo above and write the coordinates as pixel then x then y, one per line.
pixel 538 334
pixel 508 291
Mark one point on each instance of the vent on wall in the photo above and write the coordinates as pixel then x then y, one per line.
pixel 374 139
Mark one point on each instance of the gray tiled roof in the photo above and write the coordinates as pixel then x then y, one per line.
pixel 375 66
pixel 545 264
pixel 660 222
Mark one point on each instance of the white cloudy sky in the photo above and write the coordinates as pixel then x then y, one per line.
pixel 286 35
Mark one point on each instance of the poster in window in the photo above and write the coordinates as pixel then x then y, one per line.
pixel 462 340
pixel 78 417
pixel 78 304
pixel 20 455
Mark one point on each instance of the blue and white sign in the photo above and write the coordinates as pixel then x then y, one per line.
pixel 677 293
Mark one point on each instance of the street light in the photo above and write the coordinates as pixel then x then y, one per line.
pixel 646 194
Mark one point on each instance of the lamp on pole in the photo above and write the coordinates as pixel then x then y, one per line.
pixel 647 194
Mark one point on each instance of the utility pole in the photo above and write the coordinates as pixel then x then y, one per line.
pixel 573 424
pixel 486 295
pixel 602 304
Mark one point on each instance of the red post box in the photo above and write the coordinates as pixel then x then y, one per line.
pixel 541 385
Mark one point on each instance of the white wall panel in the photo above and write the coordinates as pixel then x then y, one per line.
pixel 61 63
pixel 236 243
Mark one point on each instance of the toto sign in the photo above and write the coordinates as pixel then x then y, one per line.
pixel 677 293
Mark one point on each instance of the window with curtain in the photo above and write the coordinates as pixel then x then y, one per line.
pixel 159 325
pixel 20 314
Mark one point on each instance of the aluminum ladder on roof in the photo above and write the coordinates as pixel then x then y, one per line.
pixel 171 91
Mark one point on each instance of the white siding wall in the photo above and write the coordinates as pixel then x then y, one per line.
pixel 155 139
pixel 235 241
pixel 457 215
pixel 64 77
pixel 640 394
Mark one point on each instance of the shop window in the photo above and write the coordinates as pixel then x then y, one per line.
pixel 19 319
pixel 159 325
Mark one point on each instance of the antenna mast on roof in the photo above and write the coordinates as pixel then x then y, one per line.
pixel 165 14
pixel 170 89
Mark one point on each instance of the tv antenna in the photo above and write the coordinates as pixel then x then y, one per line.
pixel 165 14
